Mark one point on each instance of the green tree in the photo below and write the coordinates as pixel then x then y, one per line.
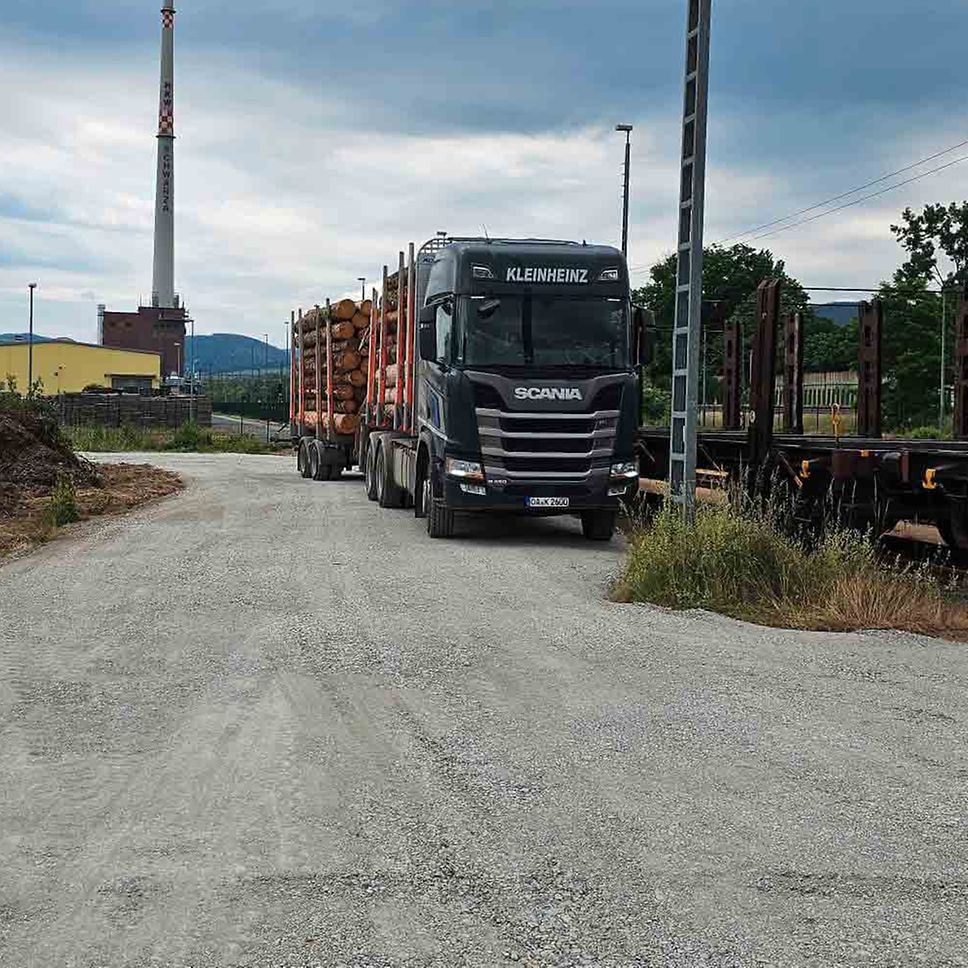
pixel 911 346
pixel 827 346
pixel 936 241
pixel 938 230
pixel 731 276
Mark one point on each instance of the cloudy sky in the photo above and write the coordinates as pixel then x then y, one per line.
pixel 316 138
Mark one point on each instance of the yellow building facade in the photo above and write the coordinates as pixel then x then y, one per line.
pixel 67 367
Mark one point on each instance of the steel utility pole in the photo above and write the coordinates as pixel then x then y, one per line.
pixel 688 324
pixel 627 128
pixel 941 406
pixel 30 342
pixel 362 281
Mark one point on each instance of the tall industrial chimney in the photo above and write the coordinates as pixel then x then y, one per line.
pixel 163 284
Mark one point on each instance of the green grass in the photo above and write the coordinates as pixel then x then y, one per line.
pixel 62 508
pixel 740 561
pixel 188 438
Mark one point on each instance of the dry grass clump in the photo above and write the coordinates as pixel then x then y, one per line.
pixel 39 516
pixel 743 562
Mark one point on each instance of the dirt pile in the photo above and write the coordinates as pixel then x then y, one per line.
pixel 34 455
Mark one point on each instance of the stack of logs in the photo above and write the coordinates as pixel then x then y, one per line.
pixel 348 324
pixel 392 390
pixel 364 351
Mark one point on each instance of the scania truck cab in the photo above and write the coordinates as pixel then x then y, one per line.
pixel 527 393
pixel 509 384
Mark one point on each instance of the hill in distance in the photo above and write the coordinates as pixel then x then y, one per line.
pixel 839 313
pixel 230 351
pixel 25 338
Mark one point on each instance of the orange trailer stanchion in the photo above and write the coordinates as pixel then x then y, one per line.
pixel 329 374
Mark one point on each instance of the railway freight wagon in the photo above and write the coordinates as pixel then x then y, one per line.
pixel 487 375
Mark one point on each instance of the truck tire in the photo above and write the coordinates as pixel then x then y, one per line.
pixel 369 468
pixel 440 518
pixel 598 525
pixel 389 495
pixel 421 489
pixel 302 459
pixel 312 460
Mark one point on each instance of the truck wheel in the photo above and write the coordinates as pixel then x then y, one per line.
pixel 598 525
pixel 369 469
pixel 440 518
pixel 312 459
pixel 302 459
pixel 389 495
pixel 421 491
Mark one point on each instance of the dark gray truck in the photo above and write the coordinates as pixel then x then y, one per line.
pixel 523 387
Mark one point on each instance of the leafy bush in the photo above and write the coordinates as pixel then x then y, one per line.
pixel 656 406
pixel 62 508
pixel 189 437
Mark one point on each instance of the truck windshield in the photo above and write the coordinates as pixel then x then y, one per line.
pixel 536 331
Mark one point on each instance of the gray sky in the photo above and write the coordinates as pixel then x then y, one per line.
pixel 315 139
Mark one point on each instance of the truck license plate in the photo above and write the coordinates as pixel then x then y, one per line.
pixel 548 502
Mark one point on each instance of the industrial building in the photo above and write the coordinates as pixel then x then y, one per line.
pixel 64 366
pixel 151 328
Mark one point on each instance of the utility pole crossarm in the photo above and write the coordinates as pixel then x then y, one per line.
pixel 688 310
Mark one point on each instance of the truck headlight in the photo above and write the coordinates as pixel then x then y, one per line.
pixel 466 470
pixel 628 469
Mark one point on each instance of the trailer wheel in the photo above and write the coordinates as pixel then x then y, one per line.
pixel 388 494
pixel 302 459
pixel 440 518
pixel 369 468
pixel 598 525
pixel 954 530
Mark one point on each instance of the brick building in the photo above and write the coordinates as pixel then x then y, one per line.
pixel 152 328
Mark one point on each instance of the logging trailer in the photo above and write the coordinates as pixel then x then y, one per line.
pixel 501 376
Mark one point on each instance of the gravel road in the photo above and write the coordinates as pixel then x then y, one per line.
pixel 266 723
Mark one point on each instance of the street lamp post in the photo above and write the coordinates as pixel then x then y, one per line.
pixel 178 359
pixel 362 281
pixel 627 129
pixel 191 388
pixel 30 343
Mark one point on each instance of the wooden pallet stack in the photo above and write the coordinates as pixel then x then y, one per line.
pixel 334 348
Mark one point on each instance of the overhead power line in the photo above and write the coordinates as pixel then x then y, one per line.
pixel 863 198
pixel 853 191
pixel 639 269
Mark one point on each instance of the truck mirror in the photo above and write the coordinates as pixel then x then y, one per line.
pixel 644 327
pixel 427 329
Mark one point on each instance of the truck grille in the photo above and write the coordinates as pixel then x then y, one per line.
pixel 546 446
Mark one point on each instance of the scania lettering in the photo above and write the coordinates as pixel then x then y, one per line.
pixel 547 393
pixel 521 363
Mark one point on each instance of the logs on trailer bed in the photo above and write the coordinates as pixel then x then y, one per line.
pixel 343 423
pixel 341 329
pixel 345 335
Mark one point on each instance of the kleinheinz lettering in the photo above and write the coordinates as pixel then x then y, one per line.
pixel 548 274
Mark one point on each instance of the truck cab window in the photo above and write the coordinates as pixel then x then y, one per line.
pixel 445 330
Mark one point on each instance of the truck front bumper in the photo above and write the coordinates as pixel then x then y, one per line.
pixel 595 493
